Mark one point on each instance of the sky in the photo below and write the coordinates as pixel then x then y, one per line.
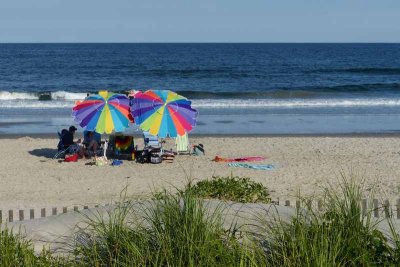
pixel 199 21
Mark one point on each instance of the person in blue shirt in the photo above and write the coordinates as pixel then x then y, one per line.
pixel 92 141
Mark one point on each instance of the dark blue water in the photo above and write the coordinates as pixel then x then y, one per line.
pixel 238 88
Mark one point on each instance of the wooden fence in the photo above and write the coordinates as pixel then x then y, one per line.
pixel 20 215
pixel 378 209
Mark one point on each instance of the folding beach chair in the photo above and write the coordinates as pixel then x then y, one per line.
pixel 151 141
pixel 182 144
pixel 61 148
pixel 97 138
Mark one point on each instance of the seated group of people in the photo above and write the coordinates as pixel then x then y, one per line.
pixel 91 141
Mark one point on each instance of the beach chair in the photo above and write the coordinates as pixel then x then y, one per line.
pixel 151 141
pixel 182 144
pixel 61 148
pixel 97 138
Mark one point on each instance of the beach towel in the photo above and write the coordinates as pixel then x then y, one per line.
pixel 116 162
pixel 220 159
pixel 251 166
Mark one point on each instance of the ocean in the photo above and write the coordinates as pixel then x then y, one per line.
pixel 237 88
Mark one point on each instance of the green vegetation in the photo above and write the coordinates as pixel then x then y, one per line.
pixel 174 231
pixel 179 230
pixel 236 189
pixel 17 251
pixel 339 236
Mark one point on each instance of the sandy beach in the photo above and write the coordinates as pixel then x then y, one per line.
pixel 31 179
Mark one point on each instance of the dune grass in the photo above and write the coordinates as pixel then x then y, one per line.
pixel 180 230
pixel 175 230
pixel 15 250
pixel 339 236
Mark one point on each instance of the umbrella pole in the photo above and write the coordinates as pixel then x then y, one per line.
pixel 105 149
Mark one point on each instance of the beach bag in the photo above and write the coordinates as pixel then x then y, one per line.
pixel 198 150
pixel 142 157
pixel 71 158
pixel 155 158
pixel 100 161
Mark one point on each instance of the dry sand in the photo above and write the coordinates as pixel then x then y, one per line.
pixel 29 178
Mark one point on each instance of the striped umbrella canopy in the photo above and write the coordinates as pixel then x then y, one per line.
pixel 163 113
pixel 104 112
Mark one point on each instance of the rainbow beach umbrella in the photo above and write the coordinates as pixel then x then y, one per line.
pixel 104 112
pixel 163 113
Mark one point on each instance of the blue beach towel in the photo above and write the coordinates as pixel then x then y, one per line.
pixel 116 162
pixel 251 166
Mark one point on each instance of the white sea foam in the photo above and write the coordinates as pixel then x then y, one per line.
pixel 5 95
pixel 35 104
pixel 63 99
pixel 294 103
pixel 59 95
pixel 62 95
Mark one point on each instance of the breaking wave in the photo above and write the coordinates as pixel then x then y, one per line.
pixel 227 103
pixel 281 93
pixel 58 95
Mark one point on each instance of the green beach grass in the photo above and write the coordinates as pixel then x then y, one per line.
pixel 177 230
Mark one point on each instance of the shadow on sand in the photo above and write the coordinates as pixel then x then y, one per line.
pixel 43 152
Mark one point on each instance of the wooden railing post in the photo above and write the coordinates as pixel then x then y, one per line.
pixel 364 207
pixel 10 216
pixel 376 208
pixel 386 207
pixel 309 204
pixel 398 208
pixel 21 215
pixel 319 205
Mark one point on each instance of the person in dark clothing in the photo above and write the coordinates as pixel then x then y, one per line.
pixel 68 141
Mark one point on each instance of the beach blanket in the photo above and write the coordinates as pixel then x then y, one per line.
pixel 221 159
pixel 116 162
pixel 251 166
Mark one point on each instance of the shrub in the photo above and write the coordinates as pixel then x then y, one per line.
pixel 231 188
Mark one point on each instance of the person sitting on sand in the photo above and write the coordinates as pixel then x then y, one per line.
pixel 92 141
pixel 68 140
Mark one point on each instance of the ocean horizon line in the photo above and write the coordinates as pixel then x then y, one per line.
pixel 209 42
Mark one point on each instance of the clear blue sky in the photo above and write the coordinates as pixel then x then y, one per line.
pixel 200 21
